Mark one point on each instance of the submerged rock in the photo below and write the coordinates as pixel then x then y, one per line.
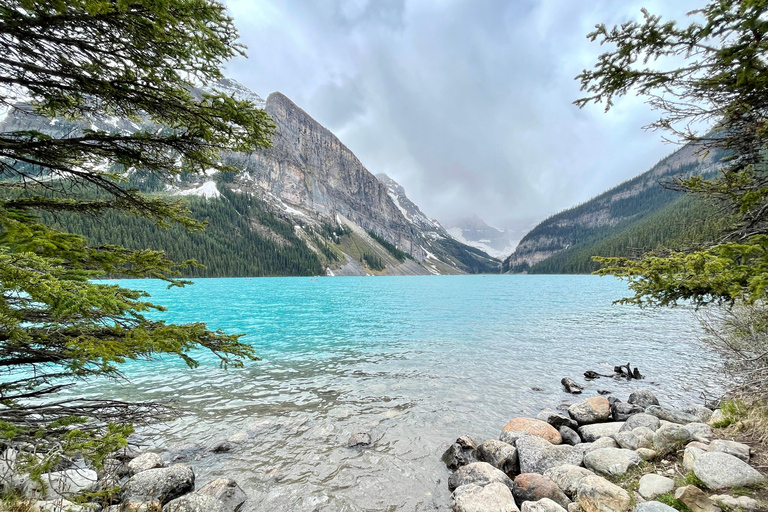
pixel 460 453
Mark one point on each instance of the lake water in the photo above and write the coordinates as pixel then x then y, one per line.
pixel 414 361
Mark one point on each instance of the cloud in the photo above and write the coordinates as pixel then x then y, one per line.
pixel 468 104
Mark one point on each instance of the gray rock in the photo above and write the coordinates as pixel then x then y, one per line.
pixel 359 439
pixel 596 494
pixel 742 502
pixel 719 470
pixel 498 454
pixel 652 485
pixel 194 502
pixel 571 386
pixel 695 499
pixel 669 438
pixel 568 477
pixel 231 496
pixel 71 481
pixel 460 453
pixel 542 505
pixel 641 420
pixel 145 461
pixel 653 506
pixel 569 435
pixel 692 414
pixel 475 498
pixel 592 410
pixel 590 433
pixel 611 461
pixel 641 437
pixel 643 398
pixel 739 450
pixel 646 453
pixel 222 446
pixel 163 484
pixel 602 442
pixel 700 431
pixel 534 487
pixel 537 455
pixel 61 504
pixel 620 411
pixel 556 419
pixel 479 473
pixel 689 456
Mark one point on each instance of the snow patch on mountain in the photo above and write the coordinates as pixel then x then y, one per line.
pixel 207 190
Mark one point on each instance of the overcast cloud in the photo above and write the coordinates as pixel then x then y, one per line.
pixel 466 103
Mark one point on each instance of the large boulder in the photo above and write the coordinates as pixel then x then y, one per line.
pixel 569 435
pixel 692 414
pixel 460 453
pixel 700 431
pixel 475 498
pixel 194 502
pixel 695 499
pixel 498 454
pixel 163 484
pixel 519 427
pixel 536 455
pixel 720 470
pixel 543 505
pixel 231 496
pixel 556 419
pixel 590 433
pixel 596 494
pixel 568 477
pixel 145 461
pixel 669 438
pixel 592 410
pixel 68 482
pixel 479 473
pixel 641 420
pixel 611 461
pixel 643 398
pixel 641 437
pixel 653 506
pixel 652 485
pixel 620 411
pixel 689 456
pixel 533 487
pixel 734 448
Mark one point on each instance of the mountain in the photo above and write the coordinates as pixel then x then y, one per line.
pixel 475 232
pixel 305 206
pixel 636 216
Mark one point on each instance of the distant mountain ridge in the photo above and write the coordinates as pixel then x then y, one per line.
pixel 475 232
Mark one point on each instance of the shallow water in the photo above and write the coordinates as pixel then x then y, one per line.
pixel 414 361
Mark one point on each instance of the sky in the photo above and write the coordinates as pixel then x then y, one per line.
pixel 466 103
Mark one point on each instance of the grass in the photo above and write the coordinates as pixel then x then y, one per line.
pixel 690 479
pixel 669 499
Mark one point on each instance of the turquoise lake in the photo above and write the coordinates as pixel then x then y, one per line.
pixel 414 361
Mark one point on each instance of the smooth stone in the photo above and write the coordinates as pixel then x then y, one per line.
pixel 536 455
pixel 700 431
pixel 359 439
pixel 653 506
pixel 145 461
pixel 498 454
pixel 733 503
pixel 689 456
pixel 652 485
pixel 692 414
pixel 238 437
pixel 695 499
pixel 542 505
pixel 569 435
pixel 719 470
pixel 479 473
pixel 556 419
pixel 641 420
pixel 596 494
pixel 533 487
pixel 163 484
pixel 602 442
pixel 621 411
pixel 669 438
pixel 700 445
pixel 231 496
pixel 571 386
pixel 58 505
pixel 475 498
pixel 646 453
pixel 60 484
pixel 611 461
pixel 734 448
pixel 519 427
pixel 641 437
pixel 568 477
pixel 194 502
pixel 590 433
pixel 592 410
pixel 717 417
pixel 643 398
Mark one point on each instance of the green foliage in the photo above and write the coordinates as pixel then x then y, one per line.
pixel 670 500
pixel 469 259
pixel 373 262
pixel 394 251
pixel 690 478
pixel 86 61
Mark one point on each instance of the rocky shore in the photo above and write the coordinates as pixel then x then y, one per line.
pixel 605 455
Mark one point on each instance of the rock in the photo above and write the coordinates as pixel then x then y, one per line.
pixel 231 496
pixel 536 455
pixel 641 437
pixel 719 470
pixel 194 502
pixel 641 420
pixel 556 419
pixel 700 431
pixel 646 453
pixel 601 442
pixel 695 499
pixel 596 494
pixel 569 435
pixel 519 427
pixel 669 438
pixel 700 445
pixel 643 398
pixel 460 453
pixel 61 484
pixel 222 446
pixel 611 461
pixel 163 484
pixel 140 506
pixel 620 411
pixel 742 502
pixel 692 414
pixel 716 418
pixel 590 433
pixel 238 437
pixel 359 439
pixel 689 456
pixel 591 410
pixel 474 498
pixel 571 386
pixel 574 507
pixel 145 461
pixel 652 485
pixel 498 454
pixel 58 505
pixel 533 487
pixel 542 505
pixel 568 477
pixel 479 473
pixel 739 450
pixel 653 506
